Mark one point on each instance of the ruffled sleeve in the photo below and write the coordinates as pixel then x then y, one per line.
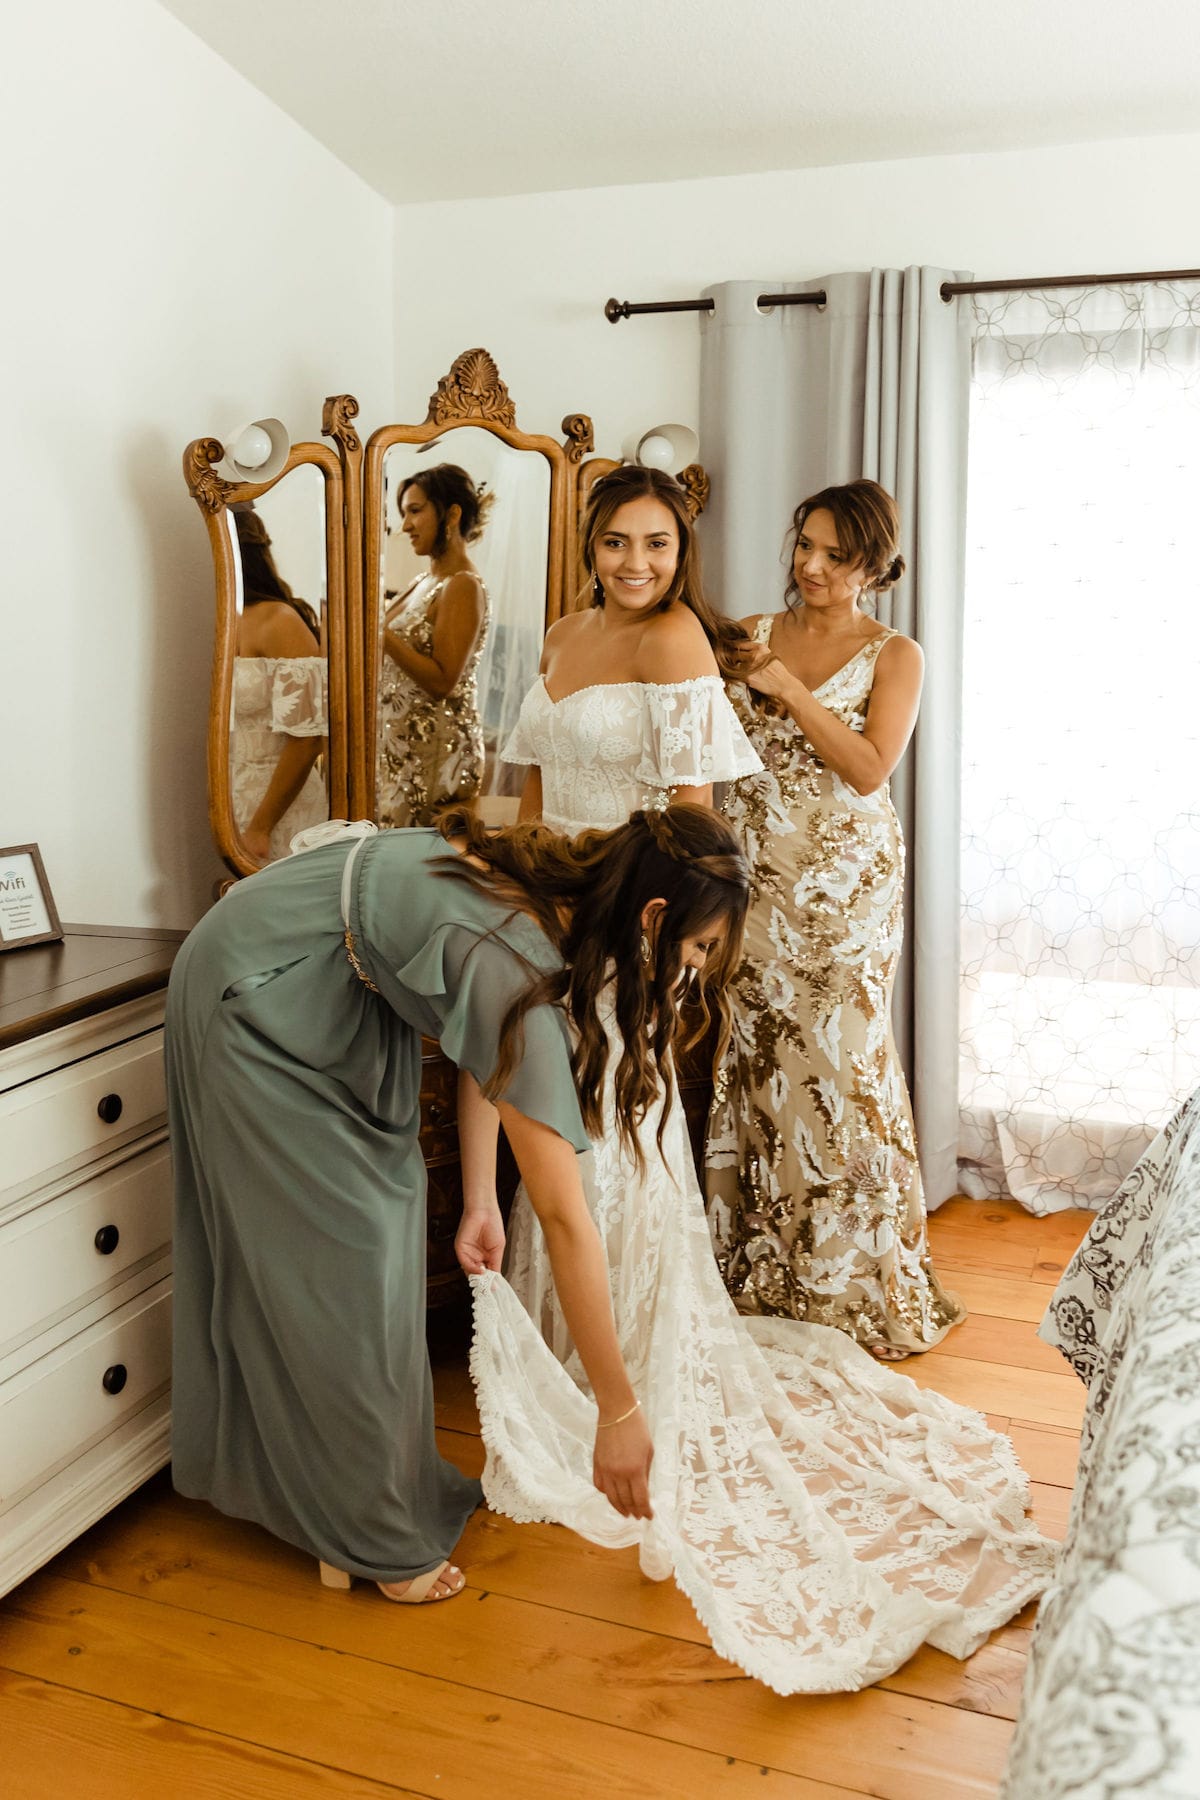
pixel 468 979
pixel 299 704
pixel 691 735
pixel 519 746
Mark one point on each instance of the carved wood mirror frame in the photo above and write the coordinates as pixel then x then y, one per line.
pixel 473 394
pixel 215 497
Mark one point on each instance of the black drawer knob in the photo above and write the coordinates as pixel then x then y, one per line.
pixel 442 1227
pixel 111 1108
pixel 114 1379
pixel 107 1239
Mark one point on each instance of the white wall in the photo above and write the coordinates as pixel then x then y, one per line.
pixel 528 277
pixel 178 253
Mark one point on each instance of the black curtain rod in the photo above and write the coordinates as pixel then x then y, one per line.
pixel 625 309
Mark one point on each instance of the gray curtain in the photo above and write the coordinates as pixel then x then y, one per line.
pixel 876 383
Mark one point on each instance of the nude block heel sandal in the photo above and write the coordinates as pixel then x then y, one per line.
pixel 418 1594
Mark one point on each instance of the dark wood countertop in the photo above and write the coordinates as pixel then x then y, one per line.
pixel 93 968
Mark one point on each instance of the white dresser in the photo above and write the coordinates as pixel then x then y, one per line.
pixel 85 1230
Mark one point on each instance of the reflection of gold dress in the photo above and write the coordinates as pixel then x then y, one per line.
pixel 815 1196
pixel 430 751
pixel 275 698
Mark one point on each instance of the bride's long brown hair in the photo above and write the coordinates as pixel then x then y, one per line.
pixel 588 894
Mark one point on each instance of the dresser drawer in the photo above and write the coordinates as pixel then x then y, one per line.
pixel 56 1257
pixel 63 1120
pixel 68 1400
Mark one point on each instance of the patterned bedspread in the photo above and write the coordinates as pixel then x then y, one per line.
pixel 1111 1704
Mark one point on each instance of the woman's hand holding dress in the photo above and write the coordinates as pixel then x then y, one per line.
pixel 621 1466
pixel 550 1171
pixel 479 1241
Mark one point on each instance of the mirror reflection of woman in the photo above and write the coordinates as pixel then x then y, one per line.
pixel 824 1517
pixel 825 1220
pixel 279 716
pixel 431 746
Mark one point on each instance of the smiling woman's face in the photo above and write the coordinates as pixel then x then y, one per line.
pixel 823 575
pixel 637 554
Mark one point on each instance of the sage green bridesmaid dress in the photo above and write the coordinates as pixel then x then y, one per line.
pixel 302 1390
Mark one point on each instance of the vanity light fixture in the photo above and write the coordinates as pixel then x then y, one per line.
pixel 255 452
pixel 669 447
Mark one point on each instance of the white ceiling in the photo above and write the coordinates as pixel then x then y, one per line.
pixel 444 99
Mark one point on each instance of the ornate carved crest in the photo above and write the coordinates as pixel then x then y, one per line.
pixel 338 411
pixel 204 484
pixel 472 390
pixel 577 429
pixel 695 484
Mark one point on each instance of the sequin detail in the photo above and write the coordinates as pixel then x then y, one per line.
pixel 430 751
pixel 815 1197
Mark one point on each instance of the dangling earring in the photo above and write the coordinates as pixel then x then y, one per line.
pixel 646 950
pixel 597 591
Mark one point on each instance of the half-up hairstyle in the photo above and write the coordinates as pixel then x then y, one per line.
pixel 588 894
pixel 446 485
pixel 632 482
pixel 868 532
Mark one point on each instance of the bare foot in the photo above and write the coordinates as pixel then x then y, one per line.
pixel 888 1353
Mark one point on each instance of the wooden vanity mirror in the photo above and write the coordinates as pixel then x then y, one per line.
pixel 520 548
pixel 275 763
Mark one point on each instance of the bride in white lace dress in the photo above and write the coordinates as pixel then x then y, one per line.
pixel 824 1516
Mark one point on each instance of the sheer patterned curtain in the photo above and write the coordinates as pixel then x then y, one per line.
pixel 1080 1017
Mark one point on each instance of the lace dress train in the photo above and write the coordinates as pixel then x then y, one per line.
pixel 824 1516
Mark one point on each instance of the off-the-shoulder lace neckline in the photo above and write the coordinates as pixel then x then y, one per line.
pixel 660 686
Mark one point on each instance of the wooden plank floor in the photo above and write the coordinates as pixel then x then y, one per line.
pixel 172 1650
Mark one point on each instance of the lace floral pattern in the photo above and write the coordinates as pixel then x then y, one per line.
pixel 430 751
pixel 824 1516
pixel 815 1195
pixel 274 698
pixel 608 750
pixel 1111 1703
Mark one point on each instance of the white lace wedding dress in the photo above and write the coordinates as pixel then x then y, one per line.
pixel 824 1515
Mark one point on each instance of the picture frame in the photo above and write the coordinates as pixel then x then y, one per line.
pixel 28 914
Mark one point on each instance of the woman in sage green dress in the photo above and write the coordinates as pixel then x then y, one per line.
pixel 303 1398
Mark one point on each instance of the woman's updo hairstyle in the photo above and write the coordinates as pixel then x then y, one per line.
pixel 868 531
pixel 446 485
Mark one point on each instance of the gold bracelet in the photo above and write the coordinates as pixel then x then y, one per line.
pixel 607 1424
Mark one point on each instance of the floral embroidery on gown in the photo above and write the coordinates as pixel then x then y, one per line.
pixel 824 1516
pixel 275 698
pixel 619 747
pixel 814 1190
pixel 430 751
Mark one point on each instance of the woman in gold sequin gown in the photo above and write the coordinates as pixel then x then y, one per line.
pixel 814 1191
pixel 431 748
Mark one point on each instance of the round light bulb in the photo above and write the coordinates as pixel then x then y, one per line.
pixel 252 448
pixel 656 451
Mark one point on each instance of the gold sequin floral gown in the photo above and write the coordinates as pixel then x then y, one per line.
pixel 430 751
pixel 814 1192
